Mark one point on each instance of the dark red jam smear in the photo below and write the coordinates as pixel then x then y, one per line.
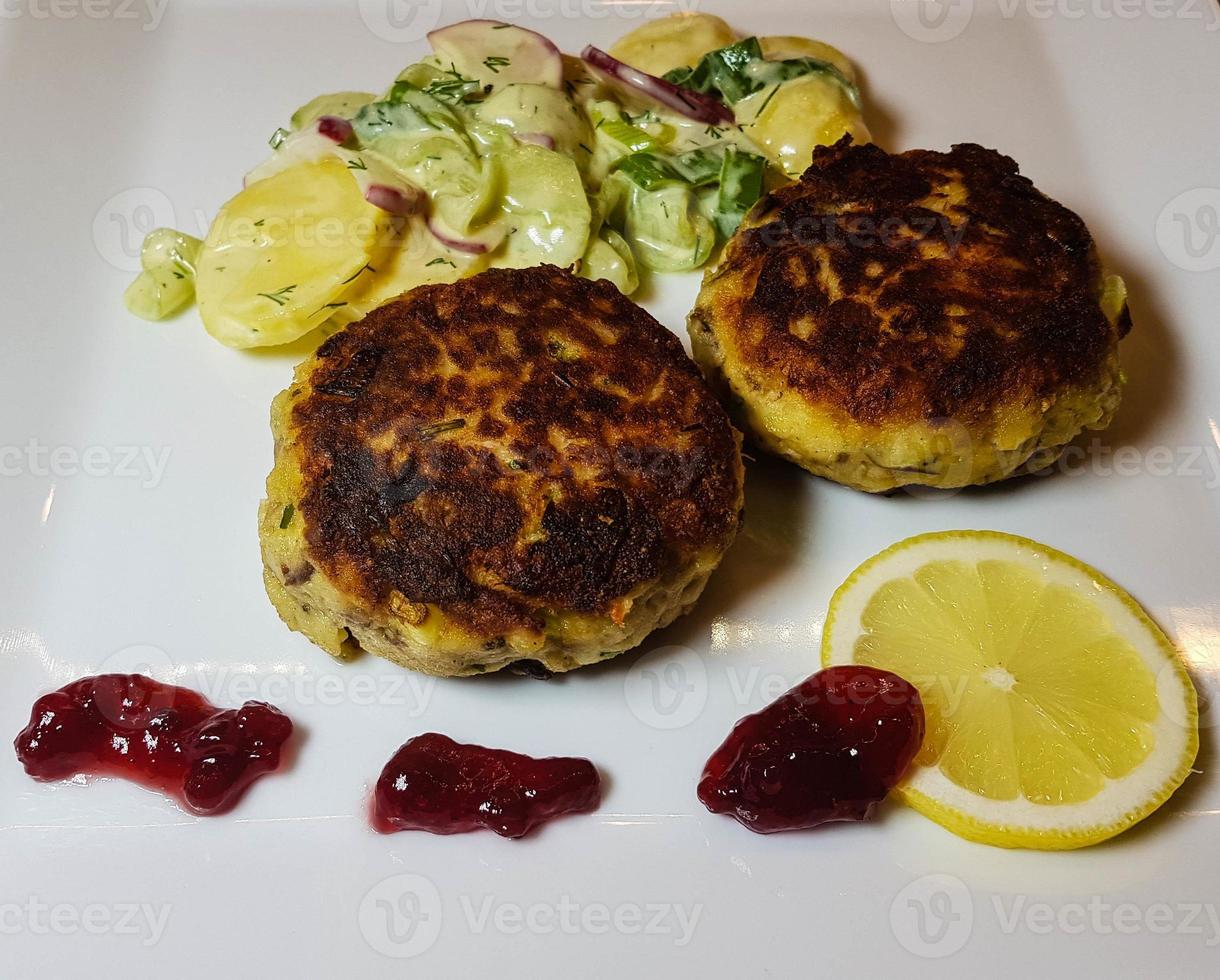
pixel 436 784
pixel 829 749
pixel 165 737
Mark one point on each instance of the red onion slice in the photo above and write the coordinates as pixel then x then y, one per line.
pixel 693 105
pixel 393 200
pixel 476 244
pixel 335 128
pixel 537 139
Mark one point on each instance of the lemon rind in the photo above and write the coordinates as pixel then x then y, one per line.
pixel 1090 821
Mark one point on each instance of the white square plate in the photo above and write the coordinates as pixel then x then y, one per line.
pixel 134 455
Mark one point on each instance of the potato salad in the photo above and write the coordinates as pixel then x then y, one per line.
pixel 497 150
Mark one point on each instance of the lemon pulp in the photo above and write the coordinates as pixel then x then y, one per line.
pixel 1058 714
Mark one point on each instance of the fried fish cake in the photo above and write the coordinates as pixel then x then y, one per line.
pixel 915 318
pixel 519 466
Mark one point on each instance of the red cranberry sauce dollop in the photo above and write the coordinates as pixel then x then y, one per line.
pixel 436 784
pixel 829 749
pixel 165 737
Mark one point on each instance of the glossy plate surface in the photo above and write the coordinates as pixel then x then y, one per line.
pixel 134 454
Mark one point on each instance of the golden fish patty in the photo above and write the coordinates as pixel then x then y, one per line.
pixel 523 465
pixel 920 317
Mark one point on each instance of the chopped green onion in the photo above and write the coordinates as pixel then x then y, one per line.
pixel 740 69
pixel 436 428
pixel 648 171
pixel 722 71
pixel 632 137
pixel 278 137
pixel 741 184
pixel 701 166
pixel 286 516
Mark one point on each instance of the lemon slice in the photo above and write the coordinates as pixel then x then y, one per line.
pixel 279 254
pixel 1058 714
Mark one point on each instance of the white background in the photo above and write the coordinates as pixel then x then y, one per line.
pixel 113 117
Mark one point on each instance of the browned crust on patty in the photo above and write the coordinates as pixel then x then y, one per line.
pixel 876 287
pixel 514 443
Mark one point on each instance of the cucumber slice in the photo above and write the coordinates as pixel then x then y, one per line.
pixel 167 282
pixel 406 113
pixel 609 257
pixel 546 208
pixel 463 188
pixel 539 110
pixel 667 230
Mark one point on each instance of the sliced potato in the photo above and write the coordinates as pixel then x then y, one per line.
pixel 673 41
pixel 281 251
pixel 812 110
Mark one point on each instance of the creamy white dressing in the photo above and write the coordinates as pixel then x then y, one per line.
pixel 519 167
